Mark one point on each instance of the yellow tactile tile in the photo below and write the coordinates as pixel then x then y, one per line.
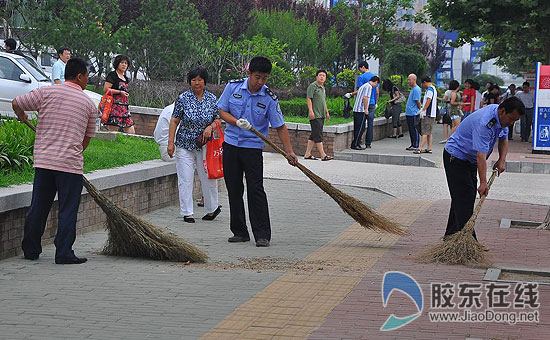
pixel 293 305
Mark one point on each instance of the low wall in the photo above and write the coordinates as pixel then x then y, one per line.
pixel 138 188
pixel 336 137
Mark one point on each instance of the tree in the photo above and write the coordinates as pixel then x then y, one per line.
pixel 403 60
pixel 379 23
pixel 484 78
pixel 226 19
pixel 86 26
pixel 515 32
pixel 433 51
pixel 167 41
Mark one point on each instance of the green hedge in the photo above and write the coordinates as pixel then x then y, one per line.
pixel 298 106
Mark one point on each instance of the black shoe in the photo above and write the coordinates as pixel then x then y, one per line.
pixel 235 239
pixel 262 243
pixel 367 146
pixel 188 219
pixel 401 135
pixel 410 148
pixel 31 257
pixel 74 260
pixel 216 212
pixel 357 148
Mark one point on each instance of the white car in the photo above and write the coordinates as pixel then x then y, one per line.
pixel 20 75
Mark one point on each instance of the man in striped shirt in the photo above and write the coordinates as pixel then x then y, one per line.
pixel 363 111
pixel 66 123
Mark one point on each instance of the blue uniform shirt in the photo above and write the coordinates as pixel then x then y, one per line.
pixel 415 95
pixel 261 109
pixel 365 78
pixel 58 71
pixel 477 133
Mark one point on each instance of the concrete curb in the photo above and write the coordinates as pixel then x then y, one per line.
pixel 408 160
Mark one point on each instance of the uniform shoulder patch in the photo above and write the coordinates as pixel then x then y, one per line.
pixel 491 123
pixel 271 94
pixel 237 80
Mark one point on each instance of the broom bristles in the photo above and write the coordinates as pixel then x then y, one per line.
pixel 462 247
pixel 132 236
pixel 362 214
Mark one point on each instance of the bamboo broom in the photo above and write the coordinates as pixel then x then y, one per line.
pixel 132 236
pixel 462 247
pixel 352 206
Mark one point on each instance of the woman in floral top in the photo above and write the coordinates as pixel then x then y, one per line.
pixel 118 82
pixel 195 117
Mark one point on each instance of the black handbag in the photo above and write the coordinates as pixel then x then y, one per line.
pixel 388 111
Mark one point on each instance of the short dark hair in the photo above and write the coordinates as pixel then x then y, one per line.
pixel 469 81
pixel 494 87
pixel 74 67
pixel 514 85
pixel 476 86
pixel 260 64
pixel 11 43
pixel 387 85
pixel 63 49
pixel 526 83
pixel 453 85
pixel 489 82
pixel 197 72
pixel 375 79
pixel 363 64
pixel 512 104
pixel 426 79
pixel 120 58
pixel 321 71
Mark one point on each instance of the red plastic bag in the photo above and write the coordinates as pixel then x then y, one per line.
pixel 106 105
pixel 214 156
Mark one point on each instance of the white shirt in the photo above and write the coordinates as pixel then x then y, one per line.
pixel 431 111
pixel 477 101
pixel 364 91
pixel 528 98
pixel 163 125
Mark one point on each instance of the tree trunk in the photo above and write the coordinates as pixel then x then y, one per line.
pixel 546 224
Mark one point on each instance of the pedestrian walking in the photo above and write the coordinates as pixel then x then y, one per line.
pixel 195 117
pixel 66 123
pixel 527 97
pixel 118 83
pixel 318 112
pixel 510 92
pixel 363 114
pixel 58 69
pixel 247 103
pixel 427 113
pixel 411 111
pixel 466 154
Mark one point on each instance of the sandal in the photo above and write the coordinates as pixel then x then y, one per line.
pixel 313 158
pixel 417 151
pixel 392 136
pixel 326 158
pixel 426 151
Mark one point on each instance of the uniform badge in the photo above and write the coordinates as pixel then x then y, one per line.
pixel 491 123
pixel 260 105
pixel 237 80
pixel 236 95
pixel 271 94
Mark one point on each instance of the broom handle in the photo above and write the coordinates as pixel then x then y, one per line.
pixel 470 224
pixel 278 149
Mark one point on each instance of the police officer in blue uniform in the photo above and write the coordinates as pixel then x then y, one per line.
pixel 244 103
pixel 466 153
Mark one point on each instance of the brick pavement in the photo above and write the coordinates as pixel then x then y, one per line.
pixel 361 314
pixel 124 298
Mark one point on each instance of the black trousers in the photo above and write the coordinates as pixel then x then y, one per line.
pixel 462 181
pixel 526 122
pixel 359 120
pixel 236 161
pixel 46 184
pixel 413 133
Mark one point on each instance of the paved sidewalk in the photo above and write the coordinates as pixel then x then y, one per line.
pixel 392 151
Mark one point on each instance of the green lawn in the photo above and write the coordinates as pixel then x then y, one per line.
pixel 100 154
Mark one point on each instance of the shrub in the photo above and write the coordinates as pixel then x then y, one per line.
pixel 346 79
pixel 16 144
